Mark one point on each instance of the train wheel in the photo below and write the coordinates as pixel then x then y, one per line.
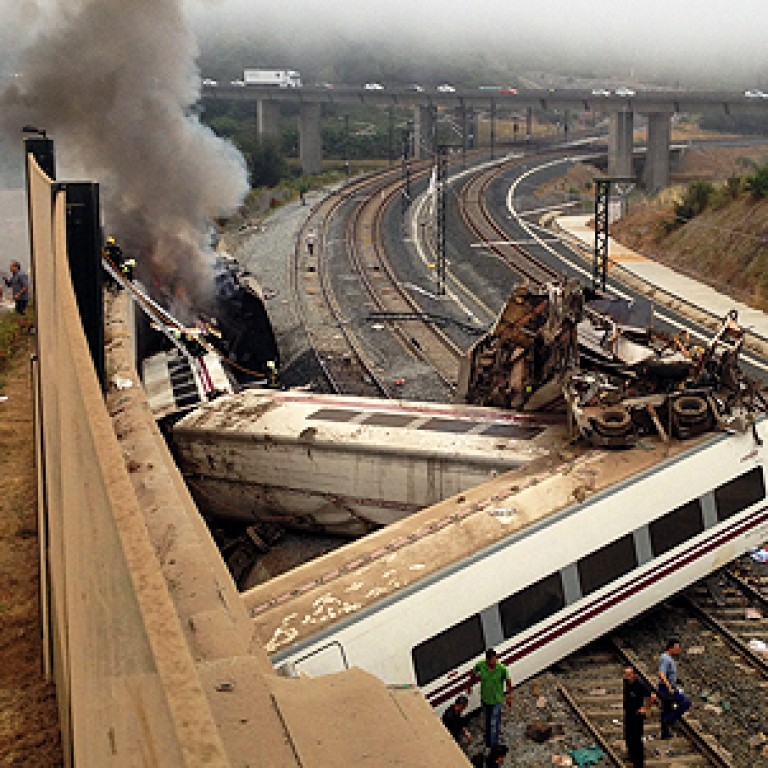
pixel 691 409
pixel 690 416
pixel 613 421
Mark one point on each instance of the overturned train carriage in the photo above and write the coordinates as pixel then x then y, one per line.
pixel 535 563
pixel 344 464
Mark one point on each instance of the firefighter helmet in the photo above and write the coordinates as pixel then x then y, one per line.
pixel 111 240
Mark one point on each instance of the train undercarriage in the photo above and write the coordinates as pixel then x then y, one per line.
pixel 598 358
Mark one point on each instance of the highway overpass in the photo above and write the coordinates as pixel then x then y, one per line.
pixel 657 105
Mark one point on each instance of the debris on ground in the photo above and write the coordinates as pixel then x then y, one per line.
pixel 538 731
pixel 587 756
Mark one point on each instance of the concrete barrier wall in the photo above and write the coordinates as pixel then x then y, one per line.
pixel 124 689
pixel 149 643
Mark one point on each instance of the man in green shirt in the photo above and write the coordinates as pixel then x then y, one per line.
pixel 494 678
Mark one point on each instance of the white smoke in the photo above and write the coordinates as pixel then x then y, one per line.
pixel 114 83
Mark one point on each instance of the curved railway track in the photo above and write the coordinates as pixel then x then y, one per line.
pixel 345 364
pixel 352 269
pixel 353 363
pixel 479 220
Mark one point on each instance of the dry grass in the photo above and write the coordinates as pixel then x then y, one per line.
pixel 726 247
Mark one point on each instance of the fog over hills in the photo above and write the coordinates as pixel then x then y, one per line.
pixel 696 43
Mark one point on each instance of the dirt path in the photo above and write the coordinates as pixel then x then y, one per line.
pixel 29 727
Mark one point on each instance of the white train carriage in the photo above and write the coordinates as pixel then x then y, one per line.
pixel 346 464
pixel 534 568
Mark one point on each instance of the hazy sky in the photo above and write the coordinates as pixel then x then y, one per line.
pixel 719 35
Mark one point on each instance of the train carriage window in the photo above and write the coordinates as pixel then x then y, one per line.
pixel 531 605
pixel 677 526
pixel 738 494
pixel 607 564
pixel 447 425
pixel 333 414
pixel 448 650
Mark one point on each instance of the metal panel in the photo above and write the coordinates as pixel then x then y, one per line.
pixel 492 630
pixel 571 585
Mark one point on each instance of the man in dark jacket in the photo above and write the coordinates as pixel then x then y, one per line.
pixel 638 698
pixel 455 720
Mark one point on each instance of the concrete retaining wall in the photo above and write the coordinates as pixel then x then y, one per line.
pixel 147 639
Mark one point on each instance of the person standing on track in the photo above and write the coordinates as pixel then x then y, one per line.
pixel 674 703
pixel 311 242
pixel 638 698
pixel 494 678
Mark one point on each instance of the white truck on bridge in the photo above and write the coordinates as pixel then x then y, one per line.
pixel 282 78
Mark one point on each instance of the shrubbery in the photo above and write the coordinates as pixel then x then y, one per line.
pixel 757 183
pixel 701 195
pixel 695 199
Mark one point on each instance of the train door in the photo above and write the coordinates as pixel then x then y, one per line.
pixel 324 660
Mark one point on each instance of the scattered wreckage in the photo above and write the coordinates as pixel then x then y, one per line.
pixel 564 347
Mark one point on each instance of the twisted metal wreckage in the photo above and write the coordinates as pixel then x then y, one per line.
pixel 561 346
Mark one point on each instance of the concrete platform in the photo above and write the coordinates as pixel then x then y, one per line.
pixel 693 292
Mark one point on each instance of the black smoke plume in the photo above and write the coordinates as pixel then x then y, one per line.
pixel 115 83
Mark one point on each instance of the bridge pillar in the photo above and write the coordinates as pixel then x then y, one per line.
pixel 656 170
pixel 267 118
pixel 620 136
pixel 424 126
pixel 311 138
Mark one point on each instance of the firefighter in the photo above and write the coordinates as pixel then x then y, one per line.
pixel 113 253
pixel 126 267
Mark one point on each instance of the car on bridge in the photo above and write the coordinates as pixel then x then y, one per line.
pixel 753 93
pixel 210 82
pixel 601 92
pixel 624 91
pixel 373 87
pixel 446 88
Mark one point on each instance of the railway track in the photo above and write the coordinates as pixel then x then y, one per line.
pixel 590 682
pixel 349 288
pixel 479 220
pixel 346 366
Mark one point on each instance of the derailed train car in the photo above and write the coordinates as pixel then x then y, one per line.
pixel 547 557
pixel 535 563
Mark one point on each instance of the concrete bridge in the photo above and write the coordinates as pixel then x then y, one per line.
pixel 657 106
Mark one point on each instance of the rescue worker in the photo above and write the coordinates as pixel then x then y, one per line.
pixel 127 267
pixel 113 253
